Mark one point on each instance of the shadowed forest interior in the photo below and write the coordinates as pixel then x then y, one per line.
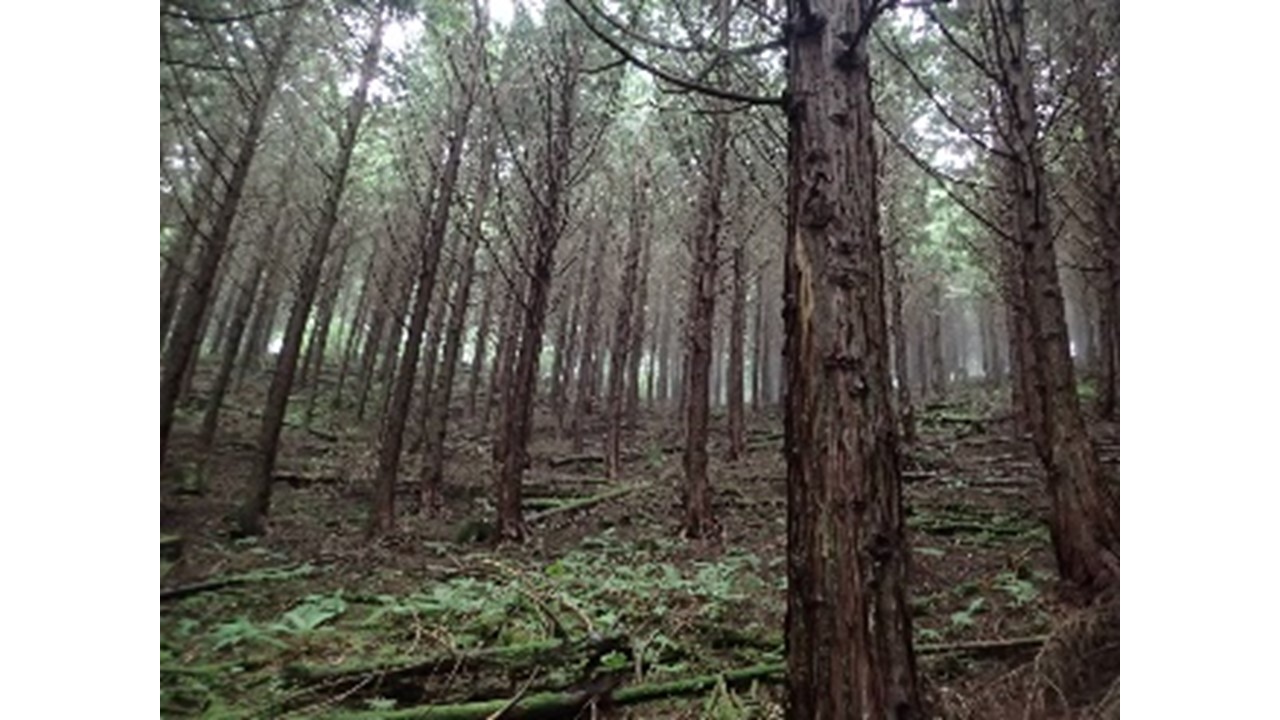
pixel 622 358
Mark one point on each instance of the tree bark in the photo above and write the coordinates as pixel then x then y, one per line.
pixel 437 421
pixel 620 356
pixel 699 522
pixel 1085 530
pixel 848 626
pixel 737 336
pixel 239 321
pixel 588 359
pixel 433 223
pixel 636 346
pixel 482 339
pixel 906 413
pixel 355 332
pixel 550 202
pixel 182 345
pixel 254 511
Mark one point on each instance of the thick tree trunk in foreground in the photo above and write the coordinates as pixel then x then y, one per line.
pixel 848 627
pixel 254 511
pixel 438 407
pixel 182 345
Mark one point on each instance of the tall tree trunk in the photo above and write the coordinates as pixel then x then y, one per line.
pixel 354 333
pixel 620 355
pixel 848 626
pixel 737 336
pixel 320 334
pixel 757 342
pixel 588 359
pixel 329 290
pixel 482 338
pixel 548 223
pixel 636 345
pixel 1084 529
pixel 700 317
pixel 767 372
pixel 1099 134
pixel 566 333
pixel 937 360
pixel 664 347
pixel 369 355
pixel 433 227
pixel 432 343
pixel 437 421
pixel 906 413
pixel 264 316
pixel 254 511
pixel 504 357
pixel 176 260
pixel 245 293
pixel 183 345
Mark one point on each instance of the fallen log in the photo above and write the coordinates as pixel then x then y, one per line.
pixel 586 502
pixel 540 652
pixel 282 573
pixel 567 704
pixel 574 460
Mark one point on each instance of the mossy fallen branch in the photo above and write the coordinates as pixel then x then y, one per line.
pixel 567 704
pixel 586 502
pixel 540 652
pixel 281 573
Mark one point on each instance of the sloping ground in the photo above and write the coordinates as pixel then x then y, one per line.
pixel 606 605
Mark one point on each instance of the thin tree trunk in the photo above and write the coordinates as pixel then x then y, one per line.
pixel 504 356
pixel 320 335
pixel 253 513
pixel 699 520
pixel 906 413
pixel 433 227
pixel 354 333
pixel 737 336
pixel 239 321
pixel 619 356
pixel 937 360
pixel 588 360
pixel 183 345
pixel 264 317
pixel 638 326
pixel 482 339
pixel 548 226
pixel 175 262
pixel 437 423
pixel 848 625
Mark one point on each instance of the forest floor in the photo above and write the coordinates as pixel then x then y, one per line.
pixel 604 601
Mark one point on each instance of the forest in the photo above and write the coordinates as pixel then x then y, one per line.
pixel 714 359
